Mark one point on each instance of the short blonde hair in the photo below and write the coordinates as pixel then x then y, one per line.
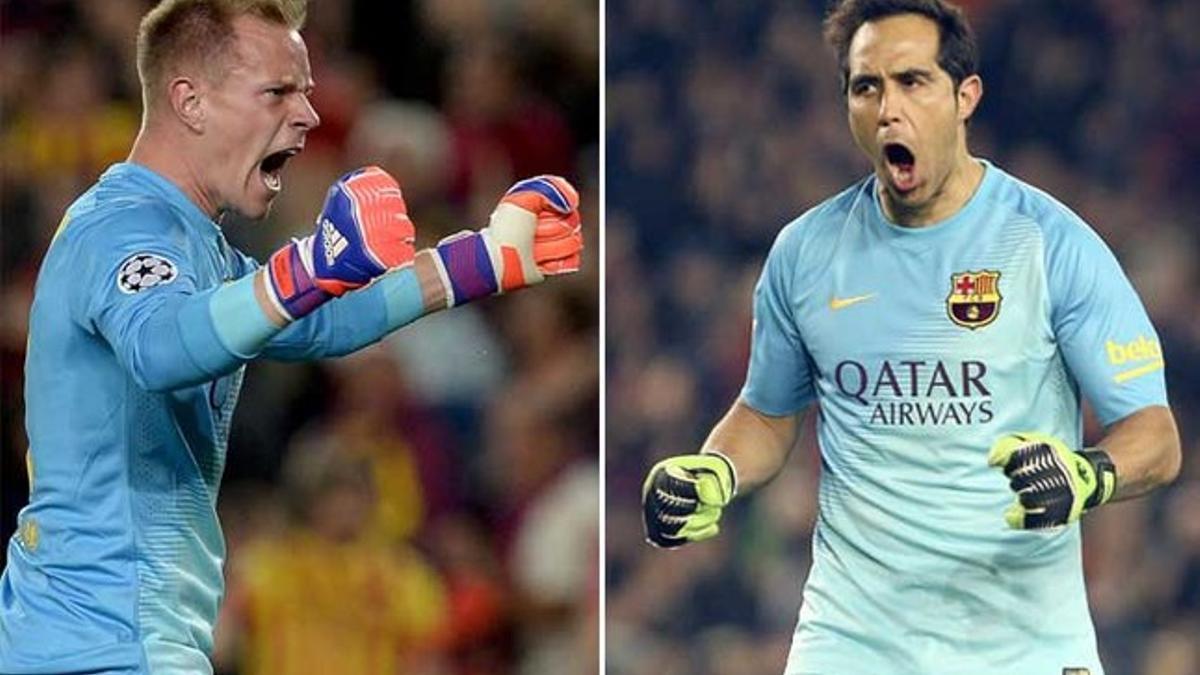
pixel 178 32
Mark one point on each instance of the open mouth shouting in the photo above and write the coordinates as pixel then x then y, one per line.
pixel 270 169
pixel 901 166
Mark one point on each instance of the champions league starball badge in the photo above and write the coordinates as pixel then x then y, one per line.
pixel 974 299
pixel 141 271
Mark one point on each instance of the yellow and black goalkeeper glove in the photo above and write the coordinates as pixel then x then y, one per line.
pixel 683 496
pixel 1054 484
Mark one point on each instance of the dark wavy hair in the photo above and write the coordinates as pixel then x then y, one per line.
pixel 958 53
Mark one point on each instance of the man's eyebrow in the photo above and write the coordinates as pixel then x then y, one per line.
pixel 864 78
pixel 923 73
pixel 290 85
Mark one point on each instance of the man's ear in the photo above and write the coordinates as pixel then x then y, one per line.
pixel 970 91
pixel 187 101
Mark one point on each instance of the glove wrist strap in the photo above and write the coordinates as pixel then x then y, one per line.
pixel 468 270
pixel 733 477
pixel 1106 476
pixel 291 286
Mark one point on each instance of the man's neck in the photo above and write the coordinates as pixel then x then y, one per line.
pixel 951 195
pixel 154 150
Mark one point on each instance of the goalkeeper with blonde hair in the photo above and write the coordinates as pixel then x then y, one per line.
pixel 144 316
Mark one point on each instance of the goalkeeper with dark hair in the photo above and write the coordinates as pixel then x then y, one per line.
pixel 144 316
pixel 947 320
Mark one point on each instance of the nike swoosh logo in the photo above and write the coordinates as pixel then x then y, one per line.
pixel 841 303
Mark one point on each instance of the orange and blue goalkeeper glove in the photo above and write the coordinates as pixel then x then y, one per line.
pixel 534 232
pixel 1054 484
pixel 363 232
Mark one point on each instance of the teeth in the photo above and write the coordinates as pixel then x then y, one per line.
pixel 272 181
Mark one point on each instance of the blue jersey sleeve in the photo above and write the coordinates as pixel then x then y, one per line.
pixel 779 379
pixel 351 322
pixel 138 290
pixel 1102 329
pixel 341 326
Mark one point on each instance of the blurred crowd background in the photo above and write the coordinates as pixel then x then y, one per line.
pixel 725 122
pixel 429 505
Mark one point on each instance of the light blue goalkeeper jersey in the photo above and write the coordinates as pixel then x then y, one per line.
pixel 921 347
pixel 116 566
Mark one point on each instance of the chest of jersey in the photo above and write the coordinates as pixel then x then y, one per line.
pixel 923 331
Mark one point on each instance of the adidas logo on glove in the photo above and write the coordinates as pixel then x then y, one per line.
pixel 334 242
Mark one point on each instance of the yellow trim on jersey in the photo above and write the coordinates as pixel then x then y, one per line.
pixel 30 535
pixel 62 225
pixel 1156 364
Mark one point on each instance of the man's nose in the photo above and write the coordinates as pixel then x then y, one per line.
pixel 890 106
pixel 307 117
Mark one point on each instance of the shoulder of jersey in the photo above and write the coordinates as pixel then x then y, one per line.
pixel 825 220
pixel 1055 219
pixel 113 217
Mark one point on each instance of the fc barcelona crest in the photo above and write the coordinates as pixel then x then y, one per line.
pixel 974 299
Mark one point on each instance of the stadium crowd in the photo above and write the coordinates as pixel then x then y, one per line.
pixel 437 513
pixel 724 124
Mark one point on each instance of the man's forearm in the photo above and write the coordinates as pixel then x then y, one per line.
pixel 757 444
pixel 1145 450
pixel 433 288
pixel 365 316
pixel 359 318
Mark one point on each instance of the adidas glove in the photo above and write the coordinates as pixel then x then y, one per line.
pixel 534 232
pixel 362 233
pixel 1054 484
pixel 682 498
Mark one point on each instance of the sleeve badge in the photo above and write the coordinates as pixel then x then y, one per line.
pixel 143 271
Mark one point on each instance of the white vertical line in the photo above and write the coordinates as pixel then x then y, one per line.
pixel 601 584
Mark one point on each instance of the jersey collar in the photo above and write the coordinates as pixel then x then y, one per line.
pixel 969 211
